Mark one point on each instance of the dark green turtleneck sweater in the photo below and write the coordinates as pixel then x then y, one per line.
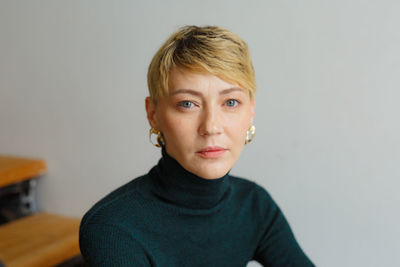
pixel 171 217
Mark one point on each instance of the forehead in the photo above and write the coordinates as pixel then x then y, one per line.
pixel 181 79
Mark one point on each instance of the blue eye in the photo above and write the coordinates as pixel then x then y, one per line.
pixel 231 102
pixel 186 104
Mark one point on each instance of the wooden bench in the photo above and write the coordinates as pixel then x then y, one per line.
pixel 41 240
pixel 16 169
pixel 18 185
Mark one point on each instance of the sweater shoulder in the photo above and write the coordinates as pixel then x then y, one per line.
pixel 258 193
pixel 248 185
pixel 242 183
pixel 113 204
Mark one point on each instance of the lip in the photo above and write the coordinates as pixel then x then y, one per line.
pixel 211 152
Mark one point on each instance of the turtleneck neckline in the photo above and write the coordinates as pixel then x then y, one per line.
pixel 178 186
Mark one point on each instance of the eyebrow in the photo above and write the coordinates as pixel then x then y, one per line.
pixel 196 93
pixel 229 90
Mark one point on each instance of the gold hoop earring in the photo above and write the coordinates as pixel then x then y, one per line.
pixel 251 132
pixel 160 138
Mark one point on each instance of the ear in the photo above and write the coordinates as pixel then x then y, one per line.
pixel 151 112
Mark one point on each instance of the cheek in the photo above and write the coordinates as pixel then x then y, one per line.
pixel 175 128
pixel 237 129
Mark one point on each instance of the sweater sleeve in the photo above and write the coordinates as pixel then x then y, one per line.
pixel 277 246
pixel 107 245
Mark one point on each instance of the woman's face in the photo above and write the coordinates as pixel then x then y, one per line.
pixel 204 121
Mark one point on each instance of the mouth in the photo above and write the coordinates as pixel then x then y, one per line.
pixel 211 152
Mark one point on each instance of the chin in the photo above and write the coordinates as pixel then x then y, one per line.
pixel 211 177
pixel 211 172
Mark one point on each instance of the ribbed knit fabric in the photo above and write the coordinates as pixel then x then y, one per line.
pixel 171 217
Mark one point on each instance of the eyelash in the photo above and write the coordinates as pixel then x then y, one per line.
pixel 235 100
pixel 183 104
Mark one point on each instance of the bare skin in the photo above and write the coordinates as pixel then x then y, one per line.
pixel 204 121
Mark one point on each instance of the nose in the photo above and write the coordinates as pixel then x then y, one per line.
pixel 210 122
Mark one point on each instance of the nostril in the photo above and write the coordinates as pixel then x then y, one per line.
pixel 210 131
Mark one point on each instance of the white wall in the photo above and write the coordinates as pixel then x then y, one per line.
pixel 73 83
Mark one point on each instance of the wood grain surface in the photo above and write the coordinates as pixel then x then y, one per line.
pixel 42 240
pixel 17 169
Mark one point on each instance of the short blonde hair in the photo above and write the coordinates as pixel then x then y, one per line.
pixel 202 49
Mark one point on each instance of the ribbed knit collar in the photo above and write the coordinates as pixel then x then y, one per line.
pixel 174 184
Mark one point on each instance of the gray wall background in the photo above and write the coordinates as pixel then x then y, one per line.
pixel 73 83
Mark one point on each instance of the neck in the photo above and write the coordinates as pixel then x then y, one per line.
pixel 178 186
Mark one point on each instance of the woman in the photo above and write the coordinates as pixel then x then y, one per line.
pixel 188 210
